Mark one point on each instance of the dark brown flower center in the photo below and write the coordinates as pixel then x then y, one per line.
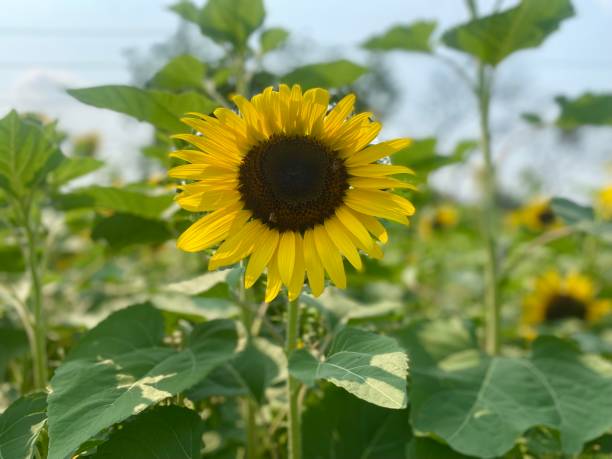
pixel 547 216
pixel 292 183
pixel 565 307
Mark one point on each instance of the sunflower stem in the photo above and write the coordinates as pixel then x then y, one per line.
pixel 293 385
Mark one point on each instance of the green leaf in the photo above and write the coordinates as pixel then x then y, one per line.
pixel 481 405
pixel 272 38
pixel 13 343
pixel 181 73
pixel 118 373
pixel 260 365
pixel 426 448
pixel 333 74
pixel 421 156
pixel 163 432
pixel 27 154
pixel 107 198
pixel 587 110
pixel 159 108
pixel 338 425
pixel 20 425
pixel 570 212
pixel 125 230
pixel 411 37
pixel 533 118
pixel 73 167
pixel 492 38
pixel 11 259
pixel 225 21
pixel 369 366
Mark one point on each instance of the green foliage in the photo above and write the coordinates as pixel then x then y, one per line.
pixel 412 37
pixel 423 447
pixel 181 73
pixel 338 425
pixel 480 405
pixel 13 343
pixel 272 38
pixel 121 367
pixel 570 212
pixel 11 259
pixel 164 432
pixel 72 168
pixel 159 108
pixel 369 366
pixel 586 110
pixel 493 38
pixel 335 74
pixel 20 425
pixel 27 154
pixel 225 21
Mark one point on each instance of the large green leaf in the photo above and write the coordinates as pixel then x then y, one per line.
pixel 27 154
pixel 333 74
pixel 338 425
pixel 11 259
pixel 272 38
pixel 13 343
pixel 587 110
pixel 481 405
pixel 125 230
pixel 369 366
pixel 260 365
pixel 73 167
pixel 411 37
pixel 107 198
pixel 122 366
pixel 169 432
pixel 426 448
pixel 20 425
pixel 181 73
pixel 225 21
pixel 492 38
pixel 159 108
pixel 571 212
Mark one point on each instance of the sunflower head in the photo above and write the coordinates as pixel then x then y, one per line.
pixel 441 218
pixel 557 298
pixel 536 216
pixel 604 202
pixel 290 184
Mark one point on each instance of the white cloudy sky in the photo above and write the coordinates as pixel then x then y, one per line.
pixel 50 45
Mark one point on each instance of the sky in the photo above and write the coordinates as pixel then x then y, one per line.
pixel 51 45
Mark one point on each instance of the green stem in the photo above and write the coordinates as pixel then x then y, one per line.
pixel 39 348
pixel 251 410
pixel 293 386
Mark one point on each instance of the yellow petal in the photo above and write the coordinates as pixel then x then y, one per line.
pixel 372 225
pixel 354 226
pixel 297 279
pixel 314 267
pixel 334 120
pixel 379 204
pixel 260 257
pixel 286 256
pixel 211 228
pixel 330 256
pixel 200 172
pixel 379 183
pixel 377 151
pixel 338 235
pixel 379 170
pixel 238 245
pixel 274 281
pixel 204 201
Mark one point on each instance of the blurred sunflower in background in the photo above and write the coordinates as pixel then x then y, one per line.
pixel 556 298
pixel 604 202
pixel 290 184
pixel 536 215
pixel 436 220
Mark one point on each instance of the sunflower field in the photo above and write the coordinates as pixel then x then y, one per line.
pixel 290 278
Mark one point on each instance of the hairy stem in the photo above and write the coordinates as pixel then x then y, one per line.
pixel 293 386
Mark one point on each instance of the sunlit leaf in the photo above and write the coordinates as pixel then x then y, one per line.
pixel 181 73
pixel 338 425
pixel 587 110
pixel 272 38
pixel 571 212
pixel 72 168
pixel 124 367
pixel 27 154
pixel 20 425
pixel 107 198
pixel 169 432
pixel 159 108
pixel 481 405
pixel 369 366
pixel 411 37
pixel 334 74
pixel 123 230
pixel 225 21
pixel 492 38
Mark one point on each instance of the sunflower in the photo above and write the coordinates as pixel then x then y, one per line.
pixel 291 184
pixel 439 219
pixel 604 202
pixel 556 298
pixel 536 215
